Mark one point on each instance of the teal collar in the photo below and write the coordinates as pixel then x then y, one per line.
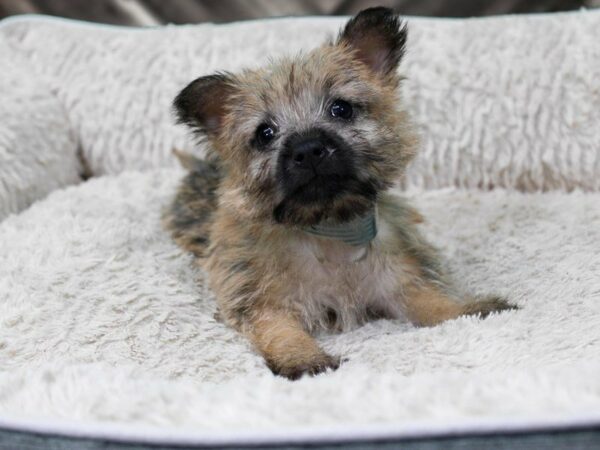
pixel 359 231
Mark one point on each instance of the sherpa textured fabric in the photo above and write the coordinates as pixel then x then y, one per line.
pixel 103 319
pixel 38 150
pixel 502 102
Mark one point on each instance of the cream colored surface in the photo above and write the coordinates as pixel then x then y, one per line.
pixel 103 319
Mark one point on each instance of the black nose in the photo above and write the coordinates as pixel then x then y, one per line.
pixel 308 153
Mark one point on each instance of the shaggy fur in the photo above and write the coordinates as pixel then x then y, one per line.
pixel 275 283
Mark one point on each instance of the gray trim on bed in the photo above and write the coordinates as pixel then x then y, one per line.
pixel 572 439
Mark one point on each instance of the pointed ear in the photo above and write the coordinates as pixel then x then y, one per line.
pixel 378 37
pixel 201 104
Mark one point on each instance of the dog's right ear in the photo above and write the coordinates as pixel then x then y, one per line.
pixel 202 103
pixel 378 37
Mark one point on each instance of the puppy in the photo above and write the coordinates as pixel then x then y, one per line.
pixel 290 212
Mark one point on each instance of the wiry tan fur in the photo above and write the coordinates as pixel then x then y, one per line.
pixel 275 283
pixel 296 92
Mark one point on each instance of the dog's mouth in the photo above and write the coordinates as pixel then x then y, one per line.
pixel 336 198
pixel 321 177
pixel 320 188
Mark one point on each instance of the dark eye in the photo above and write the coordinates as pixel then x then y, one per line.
pixel 341 109
pixel 265 134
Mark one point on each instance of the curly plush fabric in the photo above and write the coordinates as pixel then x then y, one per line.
pixel 501 102
pixel 38 150
pixel 104 320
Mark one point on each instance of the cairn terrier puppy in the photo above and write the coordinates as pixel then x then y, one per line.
pixel 291 212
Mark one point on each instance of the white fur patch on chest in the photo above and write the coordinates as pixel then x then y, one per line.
pixel 335 285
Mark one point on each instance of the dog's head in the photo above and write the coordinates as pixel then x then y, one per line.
pixel 310 138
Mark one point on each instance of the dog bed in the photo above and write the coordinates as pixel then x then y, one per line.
pixel 107 333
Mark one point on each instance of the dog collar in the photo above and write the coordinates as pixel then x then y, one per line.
pixel 359 231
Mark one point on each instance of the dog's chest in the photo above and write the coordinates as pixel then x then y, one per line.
pixel 335 285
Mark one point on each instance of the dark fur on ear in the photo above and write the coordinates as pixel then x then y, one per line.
pixel 201 104
pixel 378 36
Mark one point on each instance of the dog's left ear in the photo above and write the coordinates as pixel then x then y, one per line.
pixel 378 37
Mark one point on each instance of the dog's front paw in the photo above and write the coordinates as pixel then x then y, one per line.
pixel 485 306
pixel 294 368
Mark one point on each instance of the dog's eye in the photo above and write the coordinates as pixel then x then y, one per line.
pixel 341 109
pixel 265 134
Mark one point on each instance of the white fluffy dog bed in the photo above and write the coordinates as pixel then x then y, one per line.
pixel 106 328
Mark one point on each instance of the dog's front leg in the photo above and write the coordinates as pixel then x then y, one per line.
pixel 288 349
pixel 427 305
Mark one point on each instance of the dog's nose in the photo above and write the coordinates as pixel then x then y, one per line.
pixel 308 153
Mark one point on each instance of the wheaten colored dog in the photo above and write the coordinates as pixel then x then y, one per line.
pixel 291 213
